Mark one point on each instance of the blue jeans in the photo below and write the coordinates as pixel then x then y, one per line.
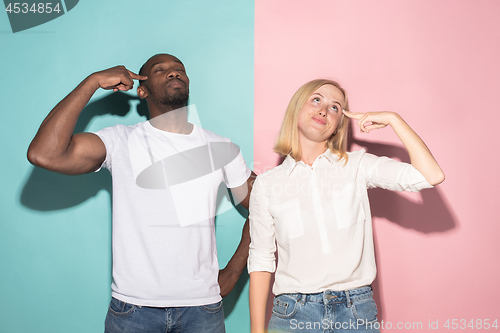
pixel 329 311
pixel 128 318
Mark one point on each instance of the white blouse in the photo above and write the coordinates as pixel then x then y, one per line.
pixel 319 217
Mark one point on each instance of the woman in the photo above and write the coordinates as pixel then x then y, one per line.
pixel 314 206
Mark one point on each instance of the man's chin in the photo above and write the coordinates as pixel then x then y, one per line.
pixel 179 101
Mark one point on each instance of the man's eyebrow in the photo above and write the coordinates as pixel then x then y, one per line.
pixel 161 62
pixel 156 63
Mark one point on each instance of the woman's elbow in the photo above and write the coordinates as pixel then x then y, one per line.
pixel 437 178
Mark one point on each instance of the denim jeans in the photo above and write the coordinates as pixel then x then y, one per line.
pixel 329 311
pixel 128 318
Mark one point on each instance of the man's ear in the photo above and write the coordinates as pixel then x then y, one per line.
pixel 142 92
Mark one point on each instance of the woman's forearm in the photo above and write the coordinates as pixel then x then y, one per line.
pixel 420 156
pixel 259 292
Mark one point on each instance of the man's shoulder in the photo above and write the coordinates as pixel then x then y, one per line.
pixel 120 129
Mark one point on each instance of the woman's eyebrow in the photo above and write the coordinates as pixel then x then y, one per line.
pixel 334 101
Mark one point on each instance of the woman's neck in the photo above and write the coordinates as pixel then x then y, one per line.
pixel 311 150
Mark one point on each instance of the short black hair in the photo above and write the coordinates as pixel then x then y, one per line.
pixel 141 71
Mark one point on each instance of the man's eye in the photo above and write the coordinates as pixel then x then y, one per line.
pixel 158 70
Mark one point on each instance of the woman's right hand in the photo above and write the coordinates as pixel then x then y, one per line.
pixel 371 120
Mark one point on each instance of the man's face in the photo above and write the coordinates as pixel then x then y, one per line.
pixel 167 81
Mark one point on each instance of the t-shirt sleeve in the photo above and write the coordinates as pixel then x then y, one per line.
pixel 236 171
pixel 108 136
pixel 392 175
pixel 262 245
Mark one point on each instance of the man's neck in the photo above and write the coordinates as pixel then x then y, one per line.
pixel 173 121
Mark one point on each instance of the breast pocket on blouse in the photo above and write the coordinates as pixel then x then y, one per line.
pixel 348 206
pixel 288 219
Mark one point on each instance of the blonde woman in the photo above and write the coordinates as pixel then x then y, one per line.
pixel 314 207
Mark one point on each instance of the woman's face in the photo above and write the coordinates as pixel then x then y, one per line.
pixel 321 114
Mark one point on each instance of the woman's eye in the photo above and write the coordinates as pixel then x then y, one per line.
pixel 335 108
pixel 316 99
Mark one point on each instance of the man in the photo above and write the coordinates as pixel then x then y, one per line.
pixel 166 173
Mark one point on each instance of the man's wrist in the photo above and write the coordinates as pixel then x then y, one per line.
pixel 92 82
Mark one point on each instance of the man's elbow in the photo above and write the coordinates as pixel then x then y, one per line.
pixel 39 159
pixel 34 157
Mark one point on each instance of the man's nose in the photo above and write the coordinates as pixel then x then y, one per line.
pixel 174 74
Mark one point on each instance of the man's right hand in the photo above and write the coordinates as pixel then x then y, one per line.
pixel 55 147
pixel 116 78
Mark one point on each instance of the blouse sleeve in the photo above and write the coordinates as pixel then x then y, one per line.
pixel 262 245
pixel 390 174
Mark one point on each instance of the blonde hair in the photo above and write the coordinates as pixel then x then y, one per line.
pixel 287 142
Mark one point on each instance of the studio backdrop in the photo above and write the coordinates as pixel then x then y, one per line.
pixel 435 62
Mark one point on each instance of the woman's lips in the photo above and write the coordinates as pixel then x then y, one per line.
pixel 319 120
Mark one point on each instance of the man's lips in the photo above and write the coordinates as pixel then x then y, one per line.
pixel 319 120
pixel 176 83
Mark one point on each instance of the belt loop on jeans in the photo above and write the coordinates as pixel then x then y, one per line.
pixel 348 298
pixel 303 299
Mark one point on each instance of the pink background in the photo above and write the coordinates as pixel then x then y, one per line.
pixel 437 63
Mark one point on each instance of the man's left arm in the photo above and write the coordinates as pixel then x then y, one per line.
pixel 229 275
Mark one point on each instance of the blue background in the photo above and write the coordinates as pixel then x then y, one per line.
pixel 55 231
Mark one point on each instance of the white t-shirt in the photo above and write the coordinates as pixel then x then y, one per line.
pixel 165 189
pixel 319 217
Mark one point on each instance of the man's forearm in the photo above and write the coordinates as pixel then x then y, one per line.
pixel 55 147
pixel 239 259
pixel 231 273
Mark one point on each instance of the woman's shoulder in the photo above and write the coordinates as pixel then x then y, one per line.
pixel 356 153
pixel 362 159
pixel 268 174
pixel 354 157
pixel 271 173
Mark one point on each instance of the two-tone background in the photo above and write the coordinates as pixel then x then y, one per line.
pixel 433 61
